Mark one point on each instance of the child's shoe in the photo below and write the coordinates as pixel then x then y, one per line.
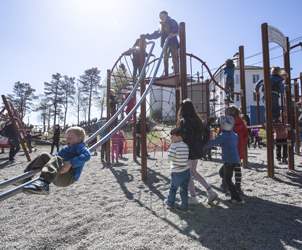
pixel 39 186
pixel 181 208
pixel 168 205
pixel 193 200
pixel 223 188
pixel 233 201
pixel 212 195
pixel 284 161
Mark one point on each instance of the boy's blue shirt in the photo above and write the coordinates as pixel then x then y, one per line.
pixel 228 140
pixel 77 155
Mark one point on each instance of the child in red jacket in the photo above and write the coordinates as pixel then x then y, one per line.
pixel 241 130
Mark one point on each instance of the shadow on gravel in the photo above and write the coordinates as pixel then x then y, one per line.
pixel 122 177
pixel 293 180
pixel 257 224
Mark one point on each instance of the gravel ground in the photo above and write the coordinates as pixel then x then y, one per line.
pixel 111 208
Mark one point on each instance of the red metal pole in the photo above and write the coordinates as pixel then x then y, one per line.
pixel 297 148
pixel 289 112
pixel 243 94
pixel 183 60
pixel 268 100
pixel 143 134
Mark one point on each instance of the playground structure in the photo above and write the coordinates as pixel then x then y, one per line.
pixel 13 117
pixel 129 87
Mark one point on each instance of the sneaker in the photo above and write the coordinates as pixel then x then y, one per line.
pixel 284 161
pixel 168 205
pixel 181 208
pixel 212 195
pixel 193 200
pixel 240 192
pixel 233 201
pixel 39 186
pixel 223 188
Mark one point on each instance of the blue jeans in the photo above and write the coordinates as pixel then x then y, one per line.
pixel 179 180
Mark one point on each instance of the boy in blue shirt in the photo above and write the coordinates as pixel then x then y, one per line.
pixel 228 140
pixel 63 169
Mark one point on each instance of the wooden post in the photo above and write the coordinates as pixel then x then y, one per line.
pixel 143 131
pixel 183 61
pixel 289 111
pixel 243 95
pixel 296 86
pixel 108 114
pixel 268 100
pixel 17 124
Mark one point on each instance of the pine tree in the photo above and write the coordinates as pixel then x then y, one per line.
pixel 69 90
pixel 22 97
pixel 43 108
pixel 55 94
pixel 90 82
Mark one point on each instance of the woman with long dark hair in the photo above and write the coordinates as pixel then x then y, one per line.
pixel 194 135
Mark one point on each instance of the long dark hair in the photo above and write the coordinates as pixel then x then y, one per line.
pixel 188 112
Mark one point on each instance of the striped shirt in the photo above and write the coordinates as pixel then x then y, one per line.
pixel 178 155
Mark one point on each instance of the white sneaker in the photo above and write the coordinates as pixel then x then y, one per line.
pixel 193 200
pixel 212 195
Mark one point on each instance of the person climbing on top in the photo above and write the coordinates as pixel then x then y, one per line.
pixel 229 71
pixel 276 81
pixel 168 29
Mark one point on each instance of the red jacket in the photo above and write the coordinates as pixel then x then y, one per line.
pixel 241 130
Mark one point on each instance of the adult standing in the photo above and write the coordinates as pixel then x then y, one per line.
pixel 194 134
pixel 168 29
pixel 56 138
pixel 11 133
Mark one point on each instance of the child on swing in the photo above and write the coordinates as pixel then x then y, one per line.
pixel 63 169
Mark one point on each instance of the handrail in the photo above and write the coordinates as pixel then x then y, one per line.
pixel 128 116
pixel 128 99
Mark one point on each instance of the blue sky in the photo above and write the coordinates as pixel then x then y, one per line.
pixel 42 37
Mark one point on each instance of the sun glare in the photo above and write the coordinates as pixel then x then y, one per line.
pixel 93 7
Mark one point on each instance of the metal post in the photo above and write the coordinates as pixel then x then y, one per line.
pixel 108 113
pixel 134 133
pixel 289 112
pixel 207 87
pixel 183 60
pixel 17 124
pixel 258 106
pixel 268 100
pixel 243 94
pixel 143 133
pixel 300 85
pixel 297 148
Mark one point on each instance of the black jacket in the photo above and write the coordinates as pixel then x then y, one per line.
pixel 195 136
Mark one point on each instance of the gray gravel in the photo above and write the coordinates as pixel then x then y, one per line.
pixel 110 208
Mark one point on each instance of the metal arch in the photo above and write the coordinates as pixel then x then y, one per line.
pixel 128 116
pixel 128 99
